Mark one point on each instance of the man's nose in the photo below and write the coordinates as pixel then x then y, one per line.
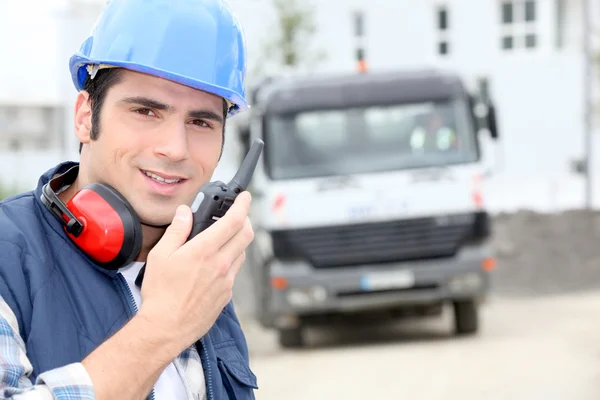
pixel 173 143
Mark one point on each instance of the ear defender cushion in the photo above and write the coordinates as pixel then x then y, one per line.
pixel 112 233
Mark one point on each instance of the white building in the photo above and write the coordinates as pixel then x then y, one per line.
pixel 530 51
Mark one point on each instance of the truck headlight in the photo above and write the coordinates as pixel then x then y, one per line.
pixel 304 296
pixel 465 283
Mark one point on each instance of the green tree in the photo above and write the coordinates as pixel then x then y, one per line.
pixel 291 43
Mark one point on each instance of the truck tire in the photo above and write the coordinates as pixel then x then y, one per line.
pixel 466 317
pixel 291 338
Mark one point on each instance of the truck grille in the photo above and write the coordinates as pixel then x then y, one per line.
pixel 373 243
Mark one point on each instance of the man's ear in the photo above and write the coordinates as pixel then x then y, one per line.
pixel 83 117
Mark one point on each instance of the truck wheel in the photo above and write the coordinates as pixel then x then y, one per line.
pixel 291 337
pixel 466 317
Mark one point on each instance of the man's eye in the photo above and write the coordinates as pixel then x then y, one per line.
pixel 145 111
pixel 201 123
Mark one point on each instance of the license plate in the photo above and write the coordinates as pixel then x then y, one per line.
pixel 388 280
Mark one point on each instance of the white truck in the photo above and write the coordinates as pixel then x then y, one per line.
pixel 368 199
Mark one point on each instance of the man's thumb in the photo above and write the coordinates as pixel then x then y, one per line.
pixel 177 233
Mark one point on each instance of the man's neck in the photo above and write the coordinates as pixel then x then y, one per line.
pixel 151 237
pixel 69 192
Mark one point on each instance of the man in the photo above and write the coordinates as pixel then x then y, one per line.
pixel 433 135
pixel 156 80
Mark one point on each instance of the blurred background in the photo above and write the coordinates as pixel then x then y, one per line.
pixel 508 310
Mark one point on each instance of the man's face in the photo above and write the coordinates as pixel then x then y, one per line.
pixel 158 143
pixel 435 123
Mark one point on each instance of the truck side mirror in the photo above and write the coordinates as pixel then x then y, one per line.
pixel 484 116
pixel 244 137
pixel 492 123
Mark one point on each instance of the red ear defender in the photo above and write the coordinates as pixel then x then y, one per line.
pixel 98 219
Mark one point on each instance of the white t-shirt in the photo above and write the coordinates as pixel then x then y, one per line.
pixel 169 385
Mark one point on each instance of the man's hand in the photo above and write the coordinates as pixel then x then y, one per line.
pixel 187 284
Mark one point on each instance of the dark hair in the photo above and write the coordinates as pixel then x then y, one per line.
pixel 98 88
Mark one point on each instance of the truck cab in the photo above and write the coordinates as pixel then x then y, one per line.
pixel 368 199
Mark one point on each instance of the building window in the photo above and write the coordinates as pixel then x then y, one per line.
pixel 442 19
pixel 443 48
pixel 443 24
pixel 530 41
pixel 507 13
pixel 507 42
pixel 530 11
pixel 31 127
pixel 518 22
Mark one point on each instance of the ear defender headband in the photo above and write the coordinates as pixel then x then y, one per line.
pixel 98 219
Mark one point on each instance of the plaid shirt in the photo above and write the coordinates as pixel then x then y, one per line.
pixel 70 382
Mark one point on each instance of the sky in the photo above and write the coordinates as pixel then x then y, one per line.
pixel 28 37
pixel 34 63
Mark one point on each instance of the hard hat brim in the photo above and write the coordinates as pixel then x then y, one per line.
pixel 79 75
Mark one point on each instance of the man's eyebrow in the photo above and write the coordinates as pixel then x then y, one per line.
pixel 150 103
pixel 146 102
pixel 206 114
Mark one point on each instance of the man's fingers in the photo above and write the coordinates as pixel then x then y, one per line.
pixel 177 233
pixel 219 233
pixel 236 266
pixel 238 244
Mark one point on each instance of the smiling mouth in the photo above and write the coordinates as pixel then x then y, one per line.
pixel 160 179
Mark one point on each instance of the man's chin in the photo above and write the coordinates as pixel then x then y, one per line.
pixel 156 215
pixel 156 221
pixel 156 224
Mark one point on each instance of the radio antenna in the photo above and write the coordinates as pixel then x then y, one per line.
pixel 242 178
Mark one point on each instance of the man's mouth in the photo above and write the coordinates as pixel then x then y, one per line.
pixel 165 180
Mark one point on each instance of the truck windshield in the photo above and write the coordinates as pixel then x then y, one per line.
pixel 369 139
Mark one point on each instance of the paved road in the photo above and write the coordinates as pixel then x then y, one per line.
pixel 528 349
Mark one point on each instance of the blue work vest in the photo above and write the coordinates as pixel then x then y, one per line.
pixel 67 306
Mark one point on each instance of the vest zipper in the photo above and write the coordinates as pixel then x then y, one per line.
pixel 206 366
pixel 132 307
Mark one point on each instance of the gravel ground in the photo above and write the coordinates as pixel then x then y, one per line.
pixel 546 254
pixel 521 353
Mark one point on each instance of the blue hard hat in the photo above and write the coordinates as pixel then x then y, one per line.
pixel 198 43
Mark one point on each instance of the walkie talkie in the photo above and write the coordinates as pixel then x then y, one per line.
pixel 215 198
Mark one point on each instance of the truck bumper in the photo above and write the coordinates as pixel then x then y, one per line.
pixel 298 289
